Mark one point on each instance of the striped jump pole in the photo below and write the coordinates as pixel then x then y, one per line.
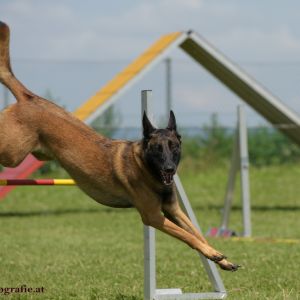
pixel 5 182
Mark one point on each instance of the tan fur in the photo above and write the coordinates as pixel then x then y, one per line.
pixel 113 172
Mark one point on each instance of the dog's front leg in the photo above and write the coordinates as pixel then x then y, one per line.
pixel 174 212
pixel 151 216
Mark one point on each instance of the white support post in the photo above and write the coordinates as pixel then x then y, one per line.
pixel 209 266
pixel 149 232
pixel 230 185
pixel 239 161
pixel 168 85
pixel 150 291
pixel 244 169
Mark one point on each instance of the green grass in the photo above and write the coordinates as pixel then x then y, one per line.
pixel 58 238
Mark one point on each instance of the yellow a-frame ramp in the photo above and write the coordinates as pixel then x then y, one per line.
pixel 93 107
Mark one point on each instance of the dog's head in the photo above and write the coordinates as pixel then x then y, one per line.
pixel 162 148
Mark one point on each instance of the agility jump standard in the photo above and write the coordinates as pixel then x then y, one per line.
pixel 150 290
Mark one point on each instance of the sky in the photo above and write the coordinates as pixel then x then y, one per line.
pixel 72 48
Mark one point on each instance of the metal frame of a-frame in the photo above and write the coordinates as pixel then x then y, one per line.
pixel 150 290
pixel 239 162
pixel 228 73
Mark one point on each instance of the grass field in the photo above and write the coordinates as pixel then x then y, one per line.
pixel 59 239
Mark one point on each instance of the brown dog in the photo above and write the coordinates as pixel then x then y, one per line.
pixel 116 173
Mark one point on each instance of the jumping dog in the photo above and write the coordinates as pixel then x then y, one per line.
pixel 115 173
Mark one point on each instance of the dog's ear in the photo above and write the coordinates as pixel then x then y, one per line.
pixel 172 122
pixel 148 128
pixel 172 125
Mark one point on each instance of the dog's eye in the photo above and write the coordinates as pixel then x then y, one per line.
pixel 175 149
pixel 172 145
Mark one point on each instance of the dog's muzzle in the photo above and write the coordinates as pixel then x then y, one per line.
pixel 167 177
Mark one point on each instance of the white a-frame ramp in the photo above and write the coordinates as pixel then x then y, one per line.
pixel 249 90
pixel 224 70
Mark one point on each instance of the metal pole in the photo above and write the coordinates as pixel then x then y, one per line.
pixel 231 182
pixel 209 266
pixel 149 232
pixel 168 86
pixel 244 167
pixel 20 182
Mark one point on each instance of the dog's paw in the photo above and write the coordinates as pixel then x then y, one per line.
pixel 228 266
pixel 213 255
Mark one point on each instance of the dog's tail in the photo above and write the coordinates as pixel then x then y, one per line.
pixel 6 75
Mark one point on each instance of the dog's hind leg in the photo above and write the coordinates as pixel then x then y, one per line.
pixel 16 139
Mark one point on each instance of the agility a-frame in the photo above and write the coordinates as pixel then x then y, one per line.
pixel 249 90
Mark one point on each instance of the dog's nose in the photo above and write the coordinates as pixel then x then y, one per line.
pixel 170 169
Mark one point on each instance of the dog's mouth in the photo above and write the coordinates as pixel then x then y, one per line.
pixel 167 177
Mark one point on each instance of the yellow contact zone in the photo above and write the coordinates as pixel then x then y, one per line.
pixel 122 78
pixel 64 182
pixel 3 182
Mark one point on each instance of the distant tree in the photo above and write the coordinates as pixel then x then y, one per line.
pixel 213 142
pixel 216 138
pixel 268 146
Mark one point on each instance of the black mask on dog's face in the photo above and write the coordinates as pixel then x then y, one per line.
pixel 162 149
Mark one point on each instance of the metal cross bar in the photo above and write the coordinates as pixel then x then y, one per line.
pixel 4 182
